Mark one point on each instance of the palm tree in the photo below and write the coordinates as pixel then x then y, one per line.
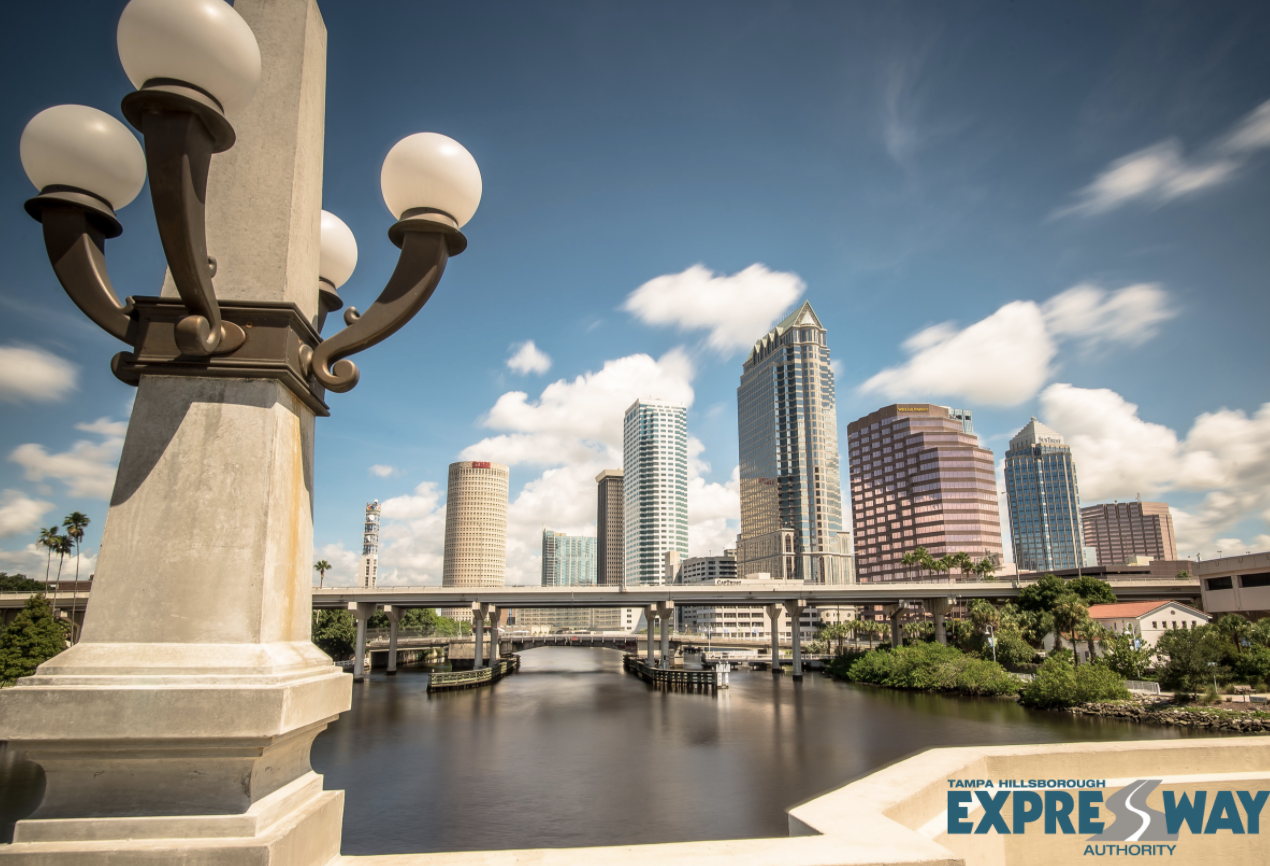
pixel 963 563
pixel 75 524
pixel 46 541
pixel 921 558
pixel 986 567
pixel 62 546
pixel 321 567
pixel 1069 613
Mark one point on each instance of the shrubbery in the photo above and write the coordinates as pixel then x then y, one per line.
pixel 931 667
pixel 1057 684
pixel 34 637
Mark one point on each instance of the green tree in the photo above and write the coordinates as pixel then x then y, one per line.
pixel 321 567
pixel 1057 684
pixel 921 558
pixel 34 637
pixel 334 633
pixel 75 523
pixel 1254 666
pixel 1234 629
pixel 986 568
pixel 1183 575
pixel 1069 614
pixel 19 583
pixel 1121 657
pixel 836 633
pixel 1092 590
pixel 1194 657
pixel 48 542
pixel 62 546
pixel 1042 596
pixel 1260 633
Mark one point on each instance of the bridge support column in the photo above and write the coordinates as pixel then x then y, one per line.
pixel 938 608
pixel 665 609
pixel 496 615
pixel 795 611
pixel 893 613
pixel 650 613
pixel 479 610
pixel 362 611
pixel 394 617
pixel 774 617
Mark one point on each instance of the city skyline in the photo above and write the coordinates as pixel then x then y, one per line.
pixel 973 245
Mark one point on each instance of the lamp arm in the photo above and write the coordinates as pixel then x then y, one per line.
pixel 76 248
pixel 426 247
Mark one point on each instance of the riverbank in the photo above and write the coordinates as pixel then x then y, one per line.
pixel 1161 713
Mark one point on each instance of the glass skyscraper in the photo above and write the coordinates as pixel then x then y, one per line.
pixel 791 494
pixel 1044 502
pixel 654 487
pixel 568 560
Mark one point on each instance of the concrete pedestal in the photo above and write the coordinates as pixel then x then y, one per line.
pixel 178 729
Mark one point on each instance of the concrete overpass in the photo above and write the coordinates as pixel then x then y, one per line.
pixel 935 596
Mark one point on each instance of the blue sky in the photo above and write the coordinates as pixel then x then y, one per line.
pixel 1052 209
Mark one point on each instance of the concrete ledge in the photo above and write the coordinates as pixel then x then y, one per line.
pixel 897 816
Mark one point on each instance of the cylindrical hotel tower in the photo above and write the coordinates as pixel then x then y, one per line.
pixel 476 525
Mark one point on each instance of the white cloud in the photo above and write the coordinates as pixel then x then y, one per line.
pixel 19 513
pixel 34 374
pixel 379 470
pixel 343 570
pixel 528 358
pixel 1161 173
pixel 737 310
pixel 87 469
pixel 1225 455
pixel 1007 358
pixel 573 431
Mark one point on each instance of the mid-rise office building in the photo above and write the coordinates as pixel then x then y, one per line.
pixel 475 527
pixel 1043 500
pixel 654 487
pixel 918 479
pixel 568 560
pixel 368 565
pixel 791 491
pixel 732 622
pixel 1120 531
pixel 610 563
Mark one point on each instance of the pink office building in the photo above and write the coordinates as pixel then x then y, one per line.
pixel 919 478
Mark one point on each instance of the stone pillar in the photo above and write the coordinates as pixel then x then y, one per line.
pixel 362 611
pixel 496 615
pixel 394 619
pixel 938 608
pixel 894 612
pixel 774 617
pixel 795 611
pixel 184 715
pixel 665 610
pixel 650 613
pixel 479 610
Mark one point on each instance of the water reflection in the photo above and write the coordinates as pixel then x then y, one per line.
pixel 572 751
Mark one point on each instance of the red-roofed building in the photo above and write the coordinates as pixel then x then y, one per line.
pixel 1148 619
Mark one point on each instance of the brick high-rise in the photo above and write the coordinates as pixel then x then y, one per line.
pixel 1122 530
pixel 919 479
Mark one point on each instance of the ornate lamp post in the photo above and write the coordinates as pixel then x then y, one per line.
pixel 181 723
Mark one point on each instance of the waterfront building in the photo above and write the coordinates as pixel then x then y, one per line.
pixel 610 563
pixel 725 622
pixel 1146 621
pixel 475 527
pixel 791 491
pixel 1119 531
pixel 1043 500
pixel 368 565
pixel 654 487
pixel 569 560
pixel 918 479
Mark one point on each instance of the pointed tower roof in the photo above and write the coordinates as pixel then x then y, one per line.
pixel 1034 433
pixel 803 316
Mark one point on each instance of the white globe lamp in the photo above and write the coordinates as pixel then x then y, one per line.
pixel 434 172
pixel 200 42
pixel 81 147
pixel 338 255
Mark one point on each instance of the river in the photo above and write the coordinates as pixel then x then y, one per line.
pixel 572 751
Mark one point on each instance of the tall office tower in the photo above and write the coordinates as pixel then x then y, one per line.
pixel 654 487
pixel 475 527
pixel 791 492
pixel 610 555
pixel 919 480
pixel 1120 531
pixel 1044 502
pixel 368 565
